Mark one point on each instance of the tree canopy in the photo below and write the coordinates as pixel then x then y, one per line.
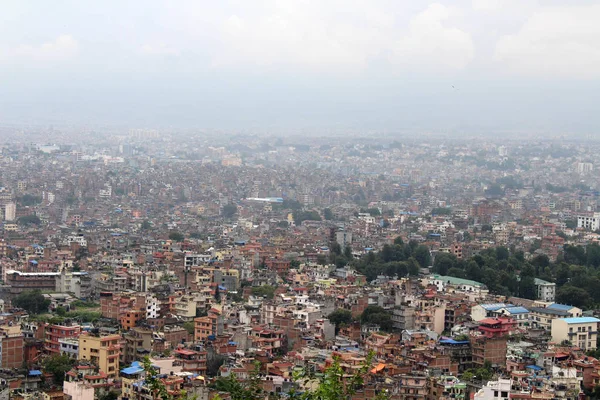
pixel 32 301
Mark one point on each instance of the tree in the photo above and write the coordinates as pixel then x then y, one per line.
pixel 176 236
pixel 333 384
pixel 32 301
pixel 267 291
pixel 378 316
pixel 247 390
pixel 443 263
pixel 110 396
pixel 423 256
pixel 58 366
pixel 327 214
pixel 340 317
pixel 574 296
pixel 229 210
pixel 29 220
pixel 146 225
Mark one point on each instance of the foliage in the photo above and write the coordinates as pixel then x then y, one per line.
pixel 189 327
pixel 378 316
pixel 229 210
pixel 333 384
pixel 327 214
pixel 84 315
pixel 146 225
pixel 301 216
pixel 29 200
pixel 176 236
pixel 29 220
pixel 109 396
pixel 441 211
pixel 58 366
pixel 32 301
pixel 339 318
pixel 84 304
pixel 264 290
pixel 374 212
pixel 247 390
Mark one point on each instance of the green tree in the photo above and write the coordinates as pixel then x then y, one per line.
pixel 58 366
pixel 176 236
pixel 333 384
pixel 423 256
pixel 327 214
pixel 146 225
pixel 32 301
pixel 29 220
pixel 339 318
pixel 229 210
pixel 267 291
pixel 574 296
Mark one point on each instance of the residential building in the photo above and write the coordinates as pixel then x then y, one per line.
pixel 580 331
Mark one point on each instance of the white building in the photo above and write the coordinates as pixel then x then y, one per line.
pixel 494 390
pixel 591 223
pixel 546 291
pixel 10 212
pixel 77 239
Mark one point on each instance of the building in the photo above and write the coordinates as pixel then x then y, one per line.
pixel 546 291
pixel 101 350
pixel 11 340
pixel 580 331
pixel 10 212
pixel 495 390
pixel 588 222
pixel 24 281
pixel 56 332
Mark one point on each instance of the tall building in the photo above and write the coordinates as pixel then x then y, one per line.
pixel 103 351
pixel 10 212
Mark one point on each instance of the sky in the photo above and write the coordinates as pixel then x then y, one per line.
pixel 277 65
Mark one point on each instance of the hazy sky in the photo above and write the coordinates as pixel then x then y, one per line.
pixel 367 64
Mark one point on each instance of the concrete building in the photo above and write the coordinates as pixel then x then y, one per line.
pixel 56 332
pixel 103 351
pixel 546 291
pixel 10 212
pixel 588 222
pixel 580 331
pixel 11 340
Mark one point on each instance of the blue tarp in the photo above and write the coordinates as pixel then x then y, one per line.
pixel 452 341
pixel 135 368
pixel 534 367
pixel 35 372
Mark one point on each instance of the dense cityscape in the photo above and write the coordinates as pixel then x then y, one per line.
pixel 144 264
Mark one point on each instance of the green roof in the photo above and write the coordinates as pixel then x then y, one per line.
pixel 458 281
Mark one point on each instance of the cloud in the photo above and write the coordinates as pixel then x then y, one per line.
pixel 158 49
pixel 63 47
pixel 555 41
pixel 486 5
pixel 313 35
pixel 429 43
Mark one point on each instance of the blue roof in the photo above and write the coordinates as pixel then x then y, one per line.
pixel 580 320
pixel 452 341
pixel 534 367
pixel 35 372
pixel 562 307
pixel 222 287
pixel 494 306
pixel 517 310
pixel 135 368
